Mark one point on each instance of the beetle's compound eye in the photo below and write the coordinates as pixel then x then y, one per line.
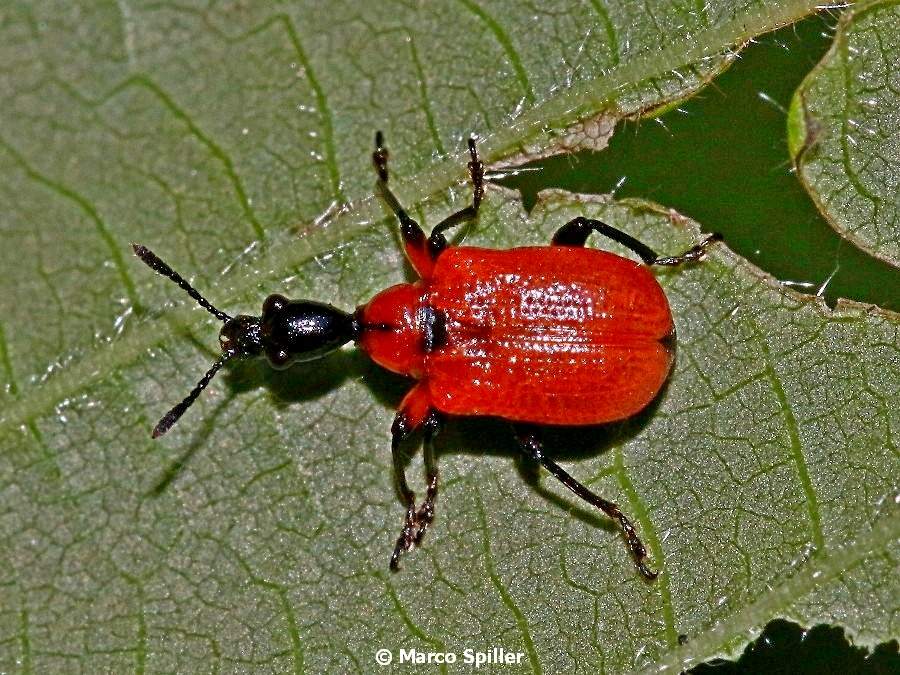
pixel 274 304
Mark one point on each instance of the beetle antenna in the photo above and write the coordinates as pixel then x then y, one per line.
pixel 169 419
pixel 154 262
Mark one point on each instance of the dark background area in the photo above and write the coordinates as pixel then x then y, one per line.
pixel 784 648
pixel 722 159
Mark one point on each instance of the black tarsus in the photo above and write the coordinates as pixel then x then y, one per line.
pixel 154 262
pixel 380 157
pixel 416 521
pixel 476 171
pixel 400 430
pixel 693 254
pixel 531 446
pixel 576 232
pixel 425 513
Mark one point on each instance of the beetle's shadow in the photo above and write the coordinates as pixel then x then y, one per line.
pixel 299 383
pixel 479 437
pixel 198 440
pixel 305 382
pixel 473 436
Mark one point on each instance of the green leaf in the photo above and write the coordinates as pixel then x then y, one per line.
pixel 845 130
pixel 236 143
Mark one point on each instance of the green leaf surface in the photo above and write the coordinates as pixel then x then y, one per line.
pixel 235 142
pixel 845 129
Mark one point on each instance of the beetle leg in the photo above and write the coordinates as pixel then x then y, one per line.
pixel 399 431
pixel 414 241
pixel 437 242
pixel 692 254
pixel 425 513
pixel 415 413
pixel 576 232
pixel 532 447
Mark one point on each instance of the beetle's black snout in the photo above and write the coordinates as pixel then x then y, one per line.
pixel 302 330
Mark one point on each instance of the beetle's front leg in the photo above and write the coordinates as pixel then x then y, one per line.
pixel 423 252
pixel 415 413
pixel 532 447
pixel 414 241
pixel 425 513
pixel 437 242
pixel 399 431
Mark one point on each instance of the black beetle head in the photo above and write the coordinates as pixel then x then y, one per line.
pixel 301 330
pixel 240 336
pixel 287 331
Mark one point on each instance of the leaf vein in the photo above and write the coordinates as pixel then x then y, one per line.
pixel 214 148
pixel 610 29
pixel 424 98
pixel 321 103
pixel 506 43
pixel 815 574
pixel 115 251
pixel 408 622
pixel 648 532
pixel 507 599
pixel 280 591
pixel 812 502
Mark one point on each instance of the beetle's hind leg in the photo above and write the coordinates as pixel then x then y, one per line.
pixel 693 254
pixel 437 242
pixel 576 232
pixel 532 447
pixel 414 414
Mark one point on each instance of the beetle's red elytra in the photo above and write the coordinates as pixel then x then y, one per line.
pixel 539 335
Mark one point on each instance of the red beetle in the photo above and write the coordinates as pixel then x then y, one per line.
pixel 538 335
